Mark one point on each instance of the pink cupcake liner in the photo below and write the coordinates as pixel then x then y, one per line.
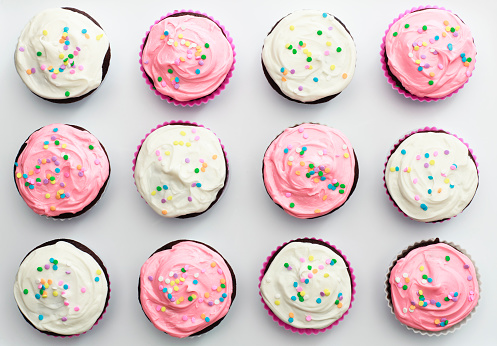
pixel 384 64
pixel 204 99
pixel 454 327
pixel 177 122
pixel 308 331
pixel 426 129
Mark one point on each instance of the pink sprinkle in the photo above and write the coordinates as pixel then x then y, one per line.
pixel 97 161
pixel 54 76
pixel 83 289
pixel 420 31
pixel 76 308
pixel 324 151
pixel 334 181
pixel 159 158
pixel 418 157
pixel 310 275
pixel 81 67
pixel 219 271
pixel 308 318
pixel 302 259
pixel 157 308
pixel 399 284
pixel 200 300
pixel 76 54
pixel 43 67
pixel 468 73
pixel 301 130
pixel 21 49
pixel 176 62
pixel 184 318
pixel 184 275
pixel 328 261
pixel 214 288
pixel 161 287
pixel 326 52
pixel 66 174
pixel 193 319
pixel 305 135
pixel 432 40
pixel 435 153
pixel 157 152
pixel 302 280
pixel 203 270
pixel 289 146
pixel 66 303
pixel 321 267
pixel 330 28
pixel 163 84
pixel 187 267
pixel 39 286
pixel 73 71
pixel 440 66
pixel 61 282
pixel 416 198
pixel 189 56
pixel 307 67
pixel 453 167
pixel 288 194
pixel 201 160
pixel 299 289
pixel 194 130
pixel 415 180
pixel 197 138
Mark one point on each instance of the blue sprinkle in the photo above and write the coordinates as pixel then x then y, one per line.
pixel 463 59
pixel 438 304
pixel 427 155
pixel 67 43
pixel 66 29
pixel 37 296
pixel 165 187
pixel 51 260
pixel 97 279
pixel 403 151
pixel 294 298
pixel 312 172
pixel 207 319
pixel 437 38
pixel 430 280
pixel 449 46
pixel 46 142
pixel 285 151
pixel 333 188
pixel 176 79
pixel 451 186
pixel 463 55
pixel 290 320
pixel 306 281
pixel 325 15
pixel 164 290
pixel 169 296
pixel 66 287
pixel 282 69
pixel 197 71
pixel 221 300
pixel 424 207
pixel 420 68
pixel 318 300
pixel 195 282
pixel 340 294
pixel 57 170
pixel 224 295
pixel 456 294
pixel 425 304
pixel 25 176
pixel 295 284
pixel 430 177
pixel 61 70
pixel 429 191
pixel 55 267
pixel 315 79
pixel 422 298
pixel 323 178
pixel 166 33
pixel 31 187
pixel 40 317
pixel 199 185
pixel 84 31
pixel 397 168
pixel 304 148
pixel 63 195
pixel 16 164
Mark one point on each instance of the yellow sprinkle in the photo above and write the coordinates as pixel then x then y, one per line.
pixel 447 28
pixel 45 33
pixel 99 272
pixel 175 44
pixel 432 162
pixel 325 197
pixel 181 279
pixel 292 27
pixel 188 144
pixel 175 142
pixel 392 169
pixel 176 288
pixel 446 180
pixel 56 71
pixel 61 56
pixel 47 285
pixel 163 309
pixel 169 198
pixel 181 58
pixel 277 302
pixel 311 258
pixel 167 153
pixel 420 303
pixel 183 133
pixel 316 180
pixel 302 293
pixel 425 44
pixel 420 292
pixel 409 170
pixel 332 67
pixel 60 192
pixel 45 147
pixel 310 67
pixel 418 62
pixel 297 172
pixel 178 302
pixel 44 295
pixel 194 296
pixel 309 54
pixel 55 293
pixel 328 43
pixel 286 46
pixel 187 43
pixel 64 34
pixel 52 182
pixel 181 142
pixel 326 292
pixel 457 28
pixel 346 155
pixel 326 275
pixel 180 36
pixel 153 193
pixel 416 48
pixel 421 268
pixel 305 51
pixel 317 211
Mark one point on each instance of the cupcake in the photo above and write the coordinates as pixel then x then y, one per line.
pixel 180 169
pixel 432 287
pixel 431 175
pixel 62 55
pixel 309 57
pixel 307 286
pixel 61 171
pixel 186 288
pixel 62 288
pixel 310 170
pixel 187 58
pixel 428 53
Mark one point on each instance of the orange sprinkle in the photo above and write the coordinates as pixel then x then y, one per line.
pixel 412 307
pixel 444 34
pixel 437 321
pixel 432 74
pixel 439 190
pixel 219 289
pixel 283 79
pixel 344 76
pixel 206 294
pixel 57 196
pixel 197 54
pixel 162 37
pixel 316 180
pixel 339 305
pixel 164 212
pixel 44 161
pixel 78 167
pixel 31 172
pixel 214 157
pixel 181 58
pixel 314 271
pixel 202 316
pixel 327 170
pixel 297 172
pixel 302 163
pixel 49 281
pixel 407 280
pixel 202 169
pixel 305 44
pixel 291 315
pixel 317 211
pixel 324 197
pixel 86 35
pixel 466 64
pixel 222 281
pixel 42 281
pixel 52 208
pixel 289 163
pixel 204 165
pixel 61 40
pixel 213 264
pixel 446 22
pixel 28 71
pixel 285 72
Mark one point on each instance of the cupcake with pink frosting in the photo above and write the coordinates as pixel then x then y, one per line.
pixel 61 171
pixel 186 288
pixel 428 53
pixel 310 170
pixel 187 58
pixel 432 287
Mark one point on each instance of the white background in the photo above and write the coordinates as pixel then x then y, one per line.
pixel 245 225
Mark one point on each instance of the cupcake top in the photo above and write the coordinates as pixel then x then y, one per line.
pixel 186 288
pixel 433 288
pixel 187 56
pixel 180 169
pixel 61 289
pixel 61 169
pixel 431 52
pixel 60 54
pixel 307 285
pixel 431 176
pixel 309 55
pixel 309 170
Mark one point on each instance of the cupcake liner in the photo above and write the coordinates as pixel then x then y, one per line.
pixel 205 99
pixel 394 85
pixel 426 129
pixel 402 254
pixel 308 331
pixel 181 122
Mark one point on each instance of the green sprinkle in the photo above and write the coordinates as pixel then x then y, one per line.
pixel 38 180
pixel 425 28
pixel 447 258
pixel 183 270
pixel 286 265
pixel 336 185
pixel 39 269
pixel 91 147
pixel 290 47
pixel 292 205
pixel 66 157
pixel 452 30
pixel 404 287
pixel 446 299
pixel 302 152
pixel 170 70
pixel 38 53
pixel 223 286
pixel 190 298
pixel 206 45
pixel 160 189
pixel 309 59
pixel 395 34
pixel 469 59
pixel 301 43
pixel 425 277
pixel 37 167
pixel 311 165
pixel 70 56
pixel 203 57
pixel 320 173
pixel 67 93
pixel 55 262
pixel 334 260
pixel 406 26
pixel 320 32
pixel 341 191
pixel 159 79
pixel 301 299
pixel 25 291
pixel 197 170
pixel 26 184
pixel 52 178
pixel 430 82
pixel 308 175
pixel 339 49
pixel 56 142
pixel 337 302
pixel 342 186
pixel 294 51
pixel 309 267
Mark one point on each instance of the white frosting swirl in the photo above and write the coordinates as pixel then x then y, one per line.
pixel 64 311
pixel 326 43
pixel 281 284
pixel 180 169
pixel 40 48
pixel 431 176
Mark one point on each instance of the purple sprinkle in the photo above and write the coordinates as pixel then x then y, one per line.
pixel 211 303
pixel 189 199
pixel 470 278
pixel 201 62
pixel 194 184
pixel 330 28
pixel 146 62
pixel 433 301
pixel 175 275
pixel 427 65
pixel 466 266
pixel 289 268
pixel 412 302
pixel 47 266
pixel 65 47
pixel 64 319
pixel 57 162
pixel 78 49
pixel 443 320
pixel 435 52
pixel 45 181
pixel 173 299
pixel 33 70
pixel 423 56
pixel 187 160
pixel 414 44
pixel 446 152
pixel 81 174
pixel 163 200
pixel 150 278
pixel 340 298
pixel 301 88
pixel 454 299
pixel 292 71
pixel 53 158
pixel 39 161
pixel 48 161
pixel 456 34
pixel 67 194
pixel 176 86
pixel 53 138
pixel 21 49
pixel 68 272
pixel 62 184
pixel 426 165
pixel 321 168
pixel 322 294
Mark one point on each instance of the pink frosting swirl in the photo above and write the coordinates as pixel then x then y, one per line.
pixel 309 170
pixel 61 170
pixel 431 52
pixel 187 57
pixel 429 289
pixel 185 289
